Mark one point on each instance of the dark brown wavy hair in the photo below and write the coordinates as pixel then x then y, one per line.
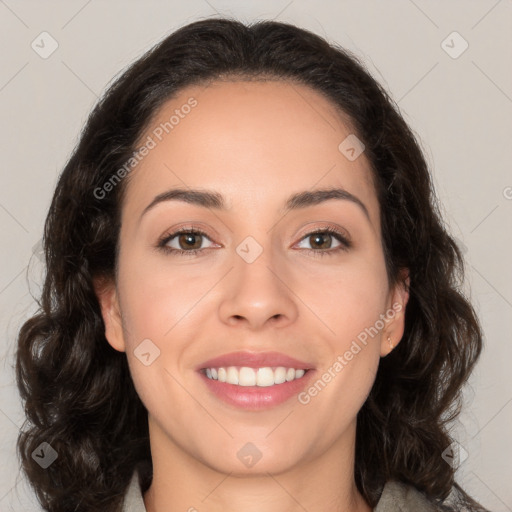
pixel 77 390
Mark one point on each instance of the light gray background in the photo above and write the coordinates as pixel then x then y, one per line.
pixel 461 110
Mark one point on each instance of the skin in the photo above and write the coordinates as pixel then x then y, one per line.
pixel 255 143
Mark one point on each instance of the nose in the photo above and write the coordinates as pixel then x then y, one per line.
pixel 256 294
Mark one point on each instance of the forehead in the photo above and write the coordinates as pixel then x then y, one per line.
pixel 254 141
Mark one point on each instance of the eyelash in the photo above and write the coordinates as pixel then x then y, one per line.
pixel 345 244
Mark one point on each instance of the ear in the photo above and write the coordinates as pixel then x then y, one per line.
pixel 107 297
pixel 397 302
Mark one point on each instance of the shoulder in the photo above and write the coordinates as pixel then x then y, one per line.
pixel 400 497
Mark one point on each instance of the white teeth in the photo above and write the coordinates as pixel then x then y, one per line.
pixel 280 375
pixel 245 376
pixel 265 377
pixel 232 375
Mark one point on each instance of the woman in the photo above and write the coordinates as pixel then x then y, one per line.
pixel 251 301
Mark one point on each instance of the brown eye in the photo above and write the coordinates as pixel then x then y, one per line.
pixel 321 240
pixel 184 242
pixel 190 240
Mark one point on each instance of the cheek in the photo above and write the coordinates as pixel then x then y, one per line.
pixel 159 300
pixel 348 298
pixel 352 301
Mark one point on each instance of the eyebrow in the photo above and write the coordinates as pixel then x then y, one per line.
pixel 214 200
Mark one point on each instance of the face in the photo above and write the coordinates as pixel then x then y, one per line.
pixel 254 272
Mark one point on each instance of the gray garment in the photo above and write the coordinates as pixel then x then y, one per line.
pixel 396 497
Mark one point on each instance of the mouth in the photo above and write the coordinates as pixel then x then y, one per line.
pixel 255 381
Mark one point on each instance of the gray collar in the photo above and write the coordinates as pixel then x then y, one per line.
pixel 400 497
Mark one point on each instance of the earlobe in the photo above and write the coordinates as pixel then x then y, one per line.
pixel 394 330
pixel 107 298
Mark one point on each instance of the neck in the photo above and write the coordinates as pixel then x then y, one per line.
pixel 182 482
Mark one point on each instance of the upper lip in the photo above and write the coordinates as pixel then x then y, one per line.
pixel 255 360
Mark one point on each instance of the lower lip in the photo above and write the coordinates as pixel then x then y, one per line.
pixel 255 398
